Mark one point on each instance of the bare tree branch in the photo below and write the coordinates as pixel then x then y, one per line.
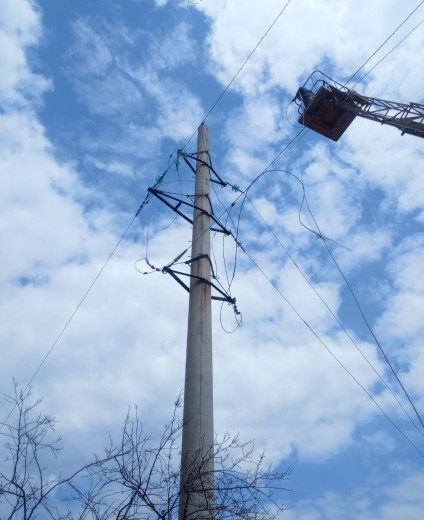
pixel 136 478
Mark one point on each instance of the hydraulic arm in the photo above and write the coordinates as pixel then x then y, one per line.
pixel 328 108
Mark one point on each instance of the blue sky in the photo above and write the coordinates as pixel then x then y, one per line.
pixel 96 98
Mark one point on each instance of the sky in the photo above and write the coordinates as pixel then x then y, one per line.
pixel 96 98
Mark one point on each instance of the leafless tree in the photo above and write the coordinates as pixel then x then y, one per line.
pixel 137 478
pixel 141 479
pixel 28 488
pixel 24 484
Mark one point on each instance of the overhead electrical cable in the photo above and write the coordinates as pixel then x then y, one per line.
pixel 319 234
pixel 244 194
pixel 252 52
pixel 73 314
pixel 87 292
pixel 296 139
pixel 377 342
pixel 318 337
pixel 332 313
pixel 386 55
pixel 382 45
pixel 368 325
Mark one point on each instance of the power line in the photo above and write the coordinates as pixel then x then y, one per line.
pixel 329 308
pixel 382 45
pixel 247 59
pixel 377 342
pixel 244 193
pixel 365 318
pixel 318 337
pixel 320 235
pixel 385 56
pixel 78 306
pixel 240 69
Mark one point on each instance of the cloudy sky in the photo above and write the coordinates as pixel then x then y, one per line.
pixel 96 98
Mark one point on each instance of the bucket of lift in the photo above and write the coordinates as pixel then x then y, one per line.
pixel 322 112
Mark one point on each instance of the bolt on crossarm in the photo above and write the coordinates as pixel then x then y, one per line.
pixel 197 457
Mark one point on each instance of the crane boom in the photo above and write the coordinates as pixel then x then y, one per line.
pixel 329 108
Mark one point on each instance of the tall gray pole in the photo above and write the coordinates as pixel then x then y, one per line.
pixel 196 497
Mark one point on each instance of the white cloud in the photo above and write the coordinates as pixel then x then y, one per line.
pixel 33 190
pixel 111 82
pixel 172 50
pixel 379 500
pixel 274 381
pixel 365 246
pixel 306 35
pixel 388 162
pixel 179 112
pixel 402 319
pixel 20 30
pixel 94 69
pixel 380 440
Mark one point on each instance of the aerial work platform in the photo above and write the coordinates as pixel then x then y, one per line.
pixel 323 115
pixel 327 107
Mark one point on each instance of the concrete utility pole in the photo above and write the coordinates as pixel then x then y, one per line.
pixel 197 495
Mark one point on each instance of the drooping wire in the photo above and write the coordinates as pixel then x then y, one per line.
pixel 287 117
pixel 368 325
pixel 244 193
pixel 382 45
pixel 224 257
pixel 178 260
pixel 318 337
pixel 238 317
pixel 332 313
pixel 229 279
pixel 325 239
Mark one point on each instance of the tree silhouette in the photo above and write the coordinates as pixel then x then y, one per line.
pixel 136 478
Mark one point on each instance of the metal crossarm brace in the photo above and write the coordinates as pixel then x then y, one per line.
pixel 199 257
pixel 162 196
pixel 219 181
pixel 174 273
